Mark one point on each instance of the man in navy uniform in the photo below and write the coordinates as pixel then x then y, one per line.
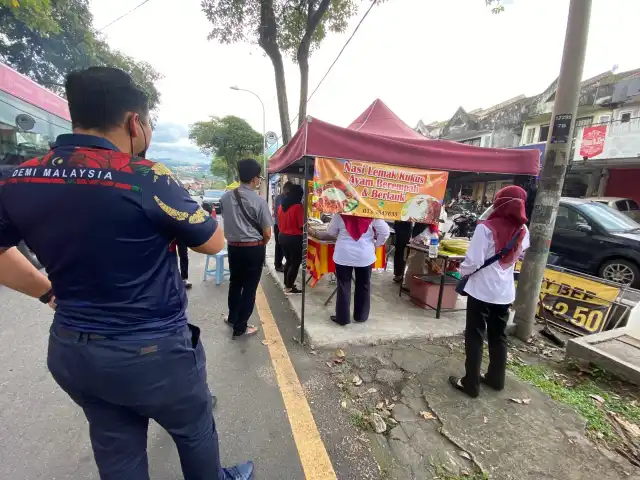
pixel 104 222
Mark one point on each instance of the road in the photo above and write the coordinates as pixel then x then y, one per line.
pixel 45 435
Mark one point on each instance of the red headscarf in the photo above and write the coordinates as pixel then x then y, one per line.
pixel 507 218
pixel 356 226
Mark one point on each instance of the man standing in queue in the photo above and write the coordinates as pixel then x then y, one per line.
pixel 247 227
pixel 120 345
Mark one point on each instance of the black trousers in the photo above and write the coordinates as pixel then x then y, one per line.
pixel 292 247
pixel 492 318
pixel 183 255
pixel 402 237
pixel 279 250
pixel 362 297
pixel 245 267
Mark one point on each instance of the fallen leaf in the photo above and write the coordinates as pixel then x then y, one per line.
pixel 465 455
pixel 313 352
pixel 338 361
pixel 427 415
pixel 394 398
pixel 516 400
pixel 597 398
pixel 631 428
pixel 378 423
pixel 340 353
pixel 357 381
pixel 390 406
pixel 486 420
pixel 343 404
pixel 329 364
pixel 264 342
pixel 372 390
pixel 392 420
pixel 380 405
pixel 526 401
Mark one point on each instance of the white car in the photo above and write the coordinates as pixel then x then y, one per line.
pixel 626 206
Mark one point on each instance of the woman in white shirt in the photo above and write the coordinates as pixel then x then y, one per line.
pixel 491 290
pixel 356 241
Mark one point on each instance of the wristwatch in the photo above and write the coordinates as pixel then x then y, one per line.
pixel 46 298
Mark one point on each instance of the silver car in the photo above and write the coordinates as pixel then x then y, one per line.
pixel 626 206
pixel 212 197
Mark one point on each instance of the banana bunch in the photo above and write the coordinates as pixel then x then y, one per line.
pixel 457 246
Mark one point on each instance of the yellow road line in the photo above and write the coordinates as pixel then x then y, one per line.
pixel 313 455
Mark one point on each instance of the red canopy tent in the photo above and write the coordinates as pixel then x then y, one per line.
pixel 379 136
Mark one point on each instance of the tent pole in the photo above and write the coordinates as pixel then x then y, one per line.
pixel 305 242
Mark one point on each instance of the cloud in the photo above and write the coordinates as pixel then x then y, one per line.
pixel 171 140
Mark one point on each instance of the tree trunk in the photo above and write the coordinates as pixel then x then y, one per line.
pixel 314 17
pixel 269 43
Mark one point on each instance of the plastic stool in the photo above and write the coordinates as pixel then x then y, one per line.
pixel 219 270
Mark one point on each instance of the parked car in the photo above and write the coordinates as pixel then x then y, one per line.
pixel 212 197
pixel 625 205
pixel 594 238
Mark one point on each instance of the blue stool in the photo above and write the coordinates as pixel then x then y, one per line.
pixel 219 269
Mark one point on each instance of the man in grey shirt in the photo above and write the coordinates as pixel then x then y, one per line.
pixel 247 228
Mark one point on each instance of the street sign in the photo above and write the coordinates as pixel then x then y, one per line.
pixel 271 138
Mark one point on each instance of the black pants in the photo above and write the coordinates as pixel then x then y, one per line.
pixel 245 267
pixel 493 318
pixel 362 297
pixel 183 255
pixel 402 237
pixel 121 384
pixel 279 251
pixel 292 247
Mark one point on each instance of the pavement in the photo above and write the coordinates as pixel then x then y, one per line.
pixel 429 430
pixel 45 435
pixel 393 318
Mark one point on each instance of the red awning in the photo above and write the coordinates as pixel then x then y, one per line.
pixel 379 136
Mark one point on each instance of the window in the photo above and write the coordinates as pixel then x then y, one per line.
pixel 604 119
pixel 486 141
pixel 625 117
pixel 544 133
pixel 608 218
pixel 632 205
pixel 530 135
pixel 584 122
pixel 621 205
pixel 472 141
pixel 569 219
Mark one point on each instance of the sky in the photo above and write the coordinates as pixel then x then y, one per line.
pixel 423 58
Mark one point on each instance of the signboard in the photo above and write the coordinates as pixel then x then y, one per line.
pixel 561 128
pixel 374 190
pixel 271 138
pixel 576 304
pixel 593 141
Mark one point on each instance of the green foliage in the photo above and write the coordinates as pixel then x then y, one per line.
pixel 227 139
pixel 239 21
pixel 496 6
pixel 46 52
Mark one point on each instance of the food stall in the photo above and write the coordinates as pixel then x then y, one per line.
pixel 379 140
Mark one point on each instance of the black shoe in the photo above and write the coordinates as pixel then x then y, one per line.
pixel 484 381
pixel 187 284
pixel 334 319
pixel 214 401
pixel 292 291
pixel 457 384
pixel 280 269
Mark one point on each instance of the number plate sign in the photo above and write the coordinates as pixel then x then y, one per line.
pixel 575 304
pixel 561 128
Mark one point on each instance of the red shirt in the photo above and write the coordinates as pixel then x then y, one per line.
pixel 291 221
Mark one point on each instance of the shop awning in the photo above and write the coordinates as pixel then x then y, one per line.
pixel 379 136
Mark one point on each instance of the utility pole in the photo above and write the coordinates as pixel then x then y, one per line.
pixel 556 159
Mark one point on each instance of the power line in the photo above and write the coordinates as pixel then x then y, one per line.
pixel 355 30
pixel 122 16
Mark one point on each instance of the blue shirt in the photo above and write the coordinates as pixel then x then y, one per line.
pixel 276 205
pixel 104 225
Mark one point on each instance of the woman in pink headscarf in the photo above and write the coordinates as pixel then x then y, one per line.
pixel 491 288
pixel 356 241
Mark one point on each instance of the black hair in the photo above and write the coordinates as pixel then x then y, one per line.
pixel 99 98
pixel 248 169
pixel 292 197
pixel 286 186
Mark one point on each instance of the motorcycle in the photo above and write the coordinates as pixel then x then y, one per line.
pixel 464 224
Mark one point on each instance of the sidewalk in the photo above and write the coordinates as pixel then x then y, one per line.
pixel 392 318
pixel 431 431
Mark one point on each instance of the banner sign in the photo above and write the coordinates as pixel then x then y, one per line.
pixel 376 190
pixel 593 141
pixel 574 303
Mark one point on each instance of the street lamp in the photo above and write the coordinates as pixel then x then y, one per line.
pixel 264 135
